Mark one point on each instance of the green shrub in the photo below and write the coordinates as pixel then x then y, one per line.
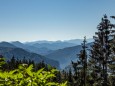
pixel 25 76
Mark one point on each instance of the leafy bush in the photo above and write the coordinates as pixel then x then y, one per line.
pixel 25 76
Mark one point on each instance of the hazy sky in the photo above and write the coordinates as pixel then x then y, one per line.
pixel 29 20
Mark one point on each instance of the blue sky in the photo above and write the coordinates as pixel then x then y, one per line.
pixel 30 20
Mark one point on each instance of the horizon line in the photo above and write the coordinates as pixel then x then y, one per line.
pixel 43 40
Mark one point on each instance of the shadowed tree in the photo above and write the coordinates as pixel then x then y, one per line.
pixel 100 53
pixel 80 67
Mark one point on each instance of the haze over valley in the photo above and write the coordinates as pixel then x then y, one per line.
pixel 55 53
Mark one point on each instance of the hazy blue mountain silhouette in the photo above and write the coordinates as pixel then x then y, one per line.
pixel 30 48
pixel 55 45
pixel 8 51
pixel 21 50
pixel 6 44
pixel 73 41
pixel 78 41
pixel 64 56
pixel 40 42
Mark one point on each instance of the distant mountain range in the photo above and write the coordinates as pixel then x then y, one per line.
pixel 66 55
pixel 52 52
pixel 31 48
pixel 55 45
pixel 6 44
pixel 73 41
pixel 8 51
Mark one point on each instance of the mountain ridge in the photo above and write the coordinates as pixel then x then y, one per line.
pixel 9 52
pixel 74 41
pixel 65 55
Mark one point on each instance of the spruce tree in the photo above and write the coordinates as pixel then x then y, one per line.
pixel 80 67
pixel 100 55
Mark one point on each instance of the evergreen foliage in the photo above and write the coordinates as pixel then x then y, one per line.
pixel 99 69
